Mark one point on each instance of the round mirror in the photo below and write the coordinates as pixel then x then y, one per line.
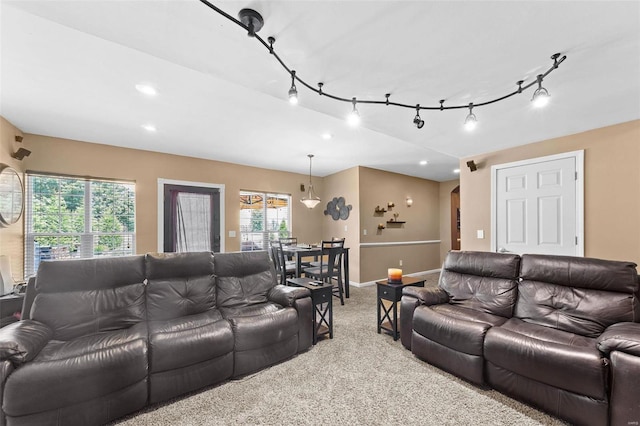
pixel 11 196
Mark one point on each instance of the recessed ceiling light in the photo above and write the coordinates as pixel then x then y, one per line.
pixel 456 171
pixel 327 136
pixel 149 127
pixel 424 162
pixel 146 89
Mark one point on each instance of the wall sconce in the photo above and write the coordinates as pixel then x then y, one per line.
pixel 409 201
pixel 472 165
pixel 21 153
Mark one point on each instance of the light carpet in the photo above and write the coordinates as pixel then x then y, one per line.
pixel 358 378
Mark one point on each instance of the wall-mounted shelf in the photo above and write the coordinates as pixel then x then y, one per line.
pixel 396 221
pixel 379 210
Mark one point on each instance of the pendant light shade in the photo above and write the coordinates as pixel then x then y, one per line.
pixel 311 200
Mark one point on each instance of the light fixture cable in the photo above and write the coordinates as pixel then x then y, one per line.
pixel 254 22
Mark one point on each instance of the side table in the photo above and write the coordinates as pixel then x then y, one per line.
pixel 392 292
pixel 322 300
pixel 10 304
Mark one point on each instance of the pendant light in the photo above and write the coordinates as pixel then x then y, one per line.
pixel 311 200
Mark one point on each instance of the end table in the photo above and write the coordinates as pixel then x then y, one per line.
pixel 322 300
pixel 392 292
pixel 10 306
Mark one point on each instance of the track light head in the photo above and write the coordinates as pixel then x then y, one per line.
pixel 471 121
pixel 293 95
pixel 354 116
pixel 293 91
pixel 417 121
pixel 541 95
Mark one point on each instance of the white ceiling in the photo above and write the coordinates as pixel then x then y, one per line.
pixel 69 69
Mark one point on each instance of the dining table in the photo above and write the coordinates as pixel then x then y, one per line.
pixel 300 251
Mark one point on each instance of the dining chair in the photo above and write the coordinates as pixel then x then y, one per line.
pixel 289 241
pixel 283 268
pixel 335 242
pixel 330 268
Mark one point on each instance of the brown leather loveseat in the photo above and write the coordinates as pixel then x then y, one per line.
pixel 560 333
pixel 105 337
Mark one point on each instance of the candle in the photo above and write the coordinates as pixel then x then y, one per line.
pixel 394 275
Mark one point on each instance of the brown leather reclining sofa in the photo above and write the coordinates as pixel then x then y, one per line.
pixel 105 337
pixel 560 333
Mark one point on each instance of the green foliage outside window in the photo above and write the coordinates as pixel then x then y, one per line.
pixel 58 207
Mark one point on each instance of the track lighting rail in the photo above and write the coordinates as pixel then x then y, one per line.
pixel 251 21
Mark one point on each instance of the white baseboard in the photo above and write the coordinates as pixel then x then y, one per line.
pixel 370 283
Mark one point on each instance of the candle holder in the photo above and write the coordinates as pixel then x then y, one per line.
pixel 394 276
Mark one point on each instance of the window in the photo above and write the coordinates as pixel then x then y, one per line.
pixel 69 217
pixel 263 217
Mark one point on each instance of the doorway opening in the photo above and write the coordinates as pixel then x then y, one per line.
pixel 455 218
pixel 190 216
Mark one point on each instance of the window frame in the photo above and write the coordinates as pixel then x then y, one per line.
pixel 265 232
pixel 87 237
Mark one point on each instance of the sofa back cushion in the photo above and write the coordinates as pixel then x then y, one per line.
pixel 86 296
pixel 483 281
pixel 179 284
pixel 243 278
pixel 578 295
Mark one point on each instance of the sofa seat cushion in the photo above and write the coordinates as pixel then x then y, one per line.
pixel 259 331
pixel 264 340
pixel 250 310
pixel 468 314
pixel 554 357
pixel 69 372
pixel 457 328
pixel 185 341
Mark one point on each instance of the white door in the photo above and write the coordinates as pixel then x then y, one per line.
pixel 538 206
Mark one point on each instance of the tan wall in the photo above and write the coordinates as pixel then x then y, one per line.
pixel 611 191
pixel 445 216
pixel 64 156
pixel 378 188
pixel 344 184
pixel 11 242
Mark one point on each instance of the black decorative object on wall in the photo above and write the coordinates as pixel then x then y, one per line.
pixel 337 209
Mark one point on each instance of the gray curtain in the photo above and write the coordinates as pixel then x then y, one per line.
pixel 193 222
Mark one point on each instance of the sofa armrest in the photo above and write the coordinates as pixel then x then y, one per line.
pixel 286 296
pixel 427 295
pixel 298 298
pixel 412 297
pixel 623 337
pixel 21 341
